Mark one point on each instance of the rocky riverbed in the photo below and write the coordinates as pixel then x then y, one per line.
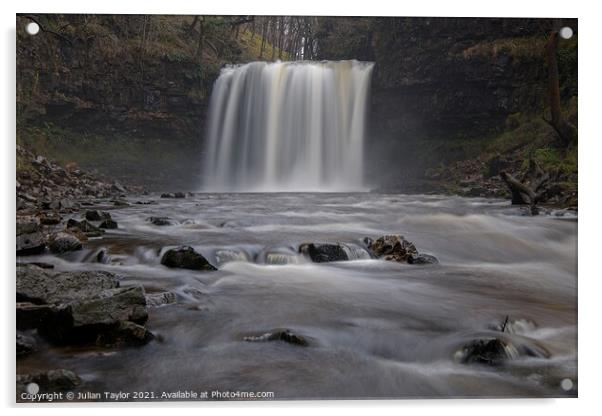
pixel 302 295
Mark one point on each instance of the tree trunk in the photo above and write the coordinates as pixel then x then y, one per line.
pixel 565 130
pixel 263 35
pixel 273 40
pixel 199 48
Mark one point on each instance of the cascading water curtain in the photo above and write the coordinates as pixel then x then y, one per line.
pixel 288 126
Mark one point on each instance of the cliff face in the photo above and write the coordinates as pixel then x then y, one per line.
pixel 110 91
pixel 132 88
pixel 440 83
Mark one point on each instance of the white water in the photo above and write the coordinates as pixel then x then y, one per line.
pixel 377 329
pixel 288 126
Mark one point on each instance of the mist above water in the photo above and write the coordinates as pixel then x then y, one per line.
pixel 288 126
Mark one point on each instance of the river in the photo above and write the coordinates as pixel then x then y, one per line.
pixel 376 329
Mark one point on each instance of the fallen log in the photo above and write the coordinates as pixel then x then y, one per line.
pixel 530 189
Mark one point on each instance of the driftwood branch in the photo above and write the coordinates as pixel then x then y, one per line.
pixel 530 189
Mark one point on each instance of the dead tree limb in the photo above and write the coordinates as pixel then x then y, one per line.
pixel 531 189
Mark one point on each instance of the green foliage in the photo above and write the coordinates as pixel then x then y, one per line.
pixel 554 159
pixel 252 42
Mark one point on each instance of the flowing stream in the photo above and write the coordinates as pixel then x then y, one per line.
pixel 288 126
pixel 375 328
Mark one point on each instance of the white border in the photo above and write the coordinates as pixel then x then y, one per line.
pixel 590 157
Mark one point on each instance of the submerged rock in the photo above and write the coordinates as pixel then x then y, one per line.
pixel 422 259
pixel 173 195
pixel 279 335
pixel 96 215
pixel 63 242
pixel 322 253
pixel 160 221
pixel 185 257
pixel 495 351
pixel 108 224
pixel 160 299
pixel 491 352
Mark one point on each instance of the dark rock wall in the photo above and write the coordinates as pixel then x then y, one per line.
pixel 444 79
pixel 436 81
pixel 96 78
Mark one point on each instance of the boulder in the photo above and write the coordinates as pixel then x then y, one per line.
pixel 185 257
pixel 179 195
pixel 79 307
pixel 96 215
pixel 284 335
pixel 97 319
pixel 495 351
pixel 30 315
pixel 109 307
pixel 50 218
pixel 422 259
pixel 25 344
pixel 84 226
pixel 160 221
pixel 30 244
pixel 49 381
pixel 30 239
pixel 159 299
pixel 490 352
pixel 117 187
pixel 321 253
pixel 27 225
pixel 108 224
pixel 40 286
pixel 167 195
pixel 64 242
pixel 125 333
pixel 394 248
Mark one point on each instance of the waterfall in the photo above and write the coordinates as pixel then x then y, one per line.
pixel 287 126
